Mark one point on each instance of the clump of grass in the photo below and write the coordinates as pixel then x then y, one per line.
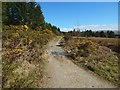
pixel 67 37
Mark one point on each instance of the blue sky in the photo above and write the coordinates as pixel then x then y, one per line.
pixel 84 15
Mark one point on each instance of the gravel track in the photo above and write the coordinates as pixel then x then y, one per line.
pixel 60 72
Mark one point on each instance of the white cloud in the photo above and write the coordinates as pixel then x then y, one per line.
pixel 66 29
pixel 98 27
pixel 93 27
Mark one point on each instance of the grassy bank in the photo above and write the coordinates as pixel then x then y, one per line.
pixel 94 55
pixel 22 59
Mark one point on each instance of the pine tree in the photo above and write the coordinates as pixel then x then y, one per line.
pixel 30 13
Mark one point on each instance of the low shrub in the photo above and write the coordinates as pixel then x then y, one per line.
pixel 67 37
pixel 22 56
pixel 94 56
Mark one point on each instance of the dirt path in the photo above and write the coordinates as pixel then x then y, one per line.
pixel 60 72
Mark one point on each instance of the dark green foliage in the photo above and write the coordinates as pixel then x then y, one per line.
pixel 97 34
pixel 110 34
pixel 35 17
pixel 75 33
pixel 102 34
pixel 5 12
pixel 90 33
pixel 30 13
pixel 53 28
pixel 18 13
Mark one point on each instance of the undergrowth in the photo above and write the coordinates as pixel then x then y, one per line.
pixel 93 56
pixel 22 56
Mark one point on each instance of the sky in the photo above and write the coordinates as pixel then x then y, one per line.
pixel 82 15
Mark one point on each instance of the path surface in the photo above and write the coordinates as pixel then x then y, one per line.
pixel 60 72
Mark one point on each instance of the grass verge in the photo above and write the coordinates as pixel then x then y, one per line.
pixel 94 57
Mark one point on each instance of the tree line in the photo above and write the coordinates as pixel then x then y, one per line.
pixel 29 13
pixel 90 33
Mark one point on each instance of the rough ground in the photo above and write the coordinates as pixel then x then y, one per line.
pixel 60 72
